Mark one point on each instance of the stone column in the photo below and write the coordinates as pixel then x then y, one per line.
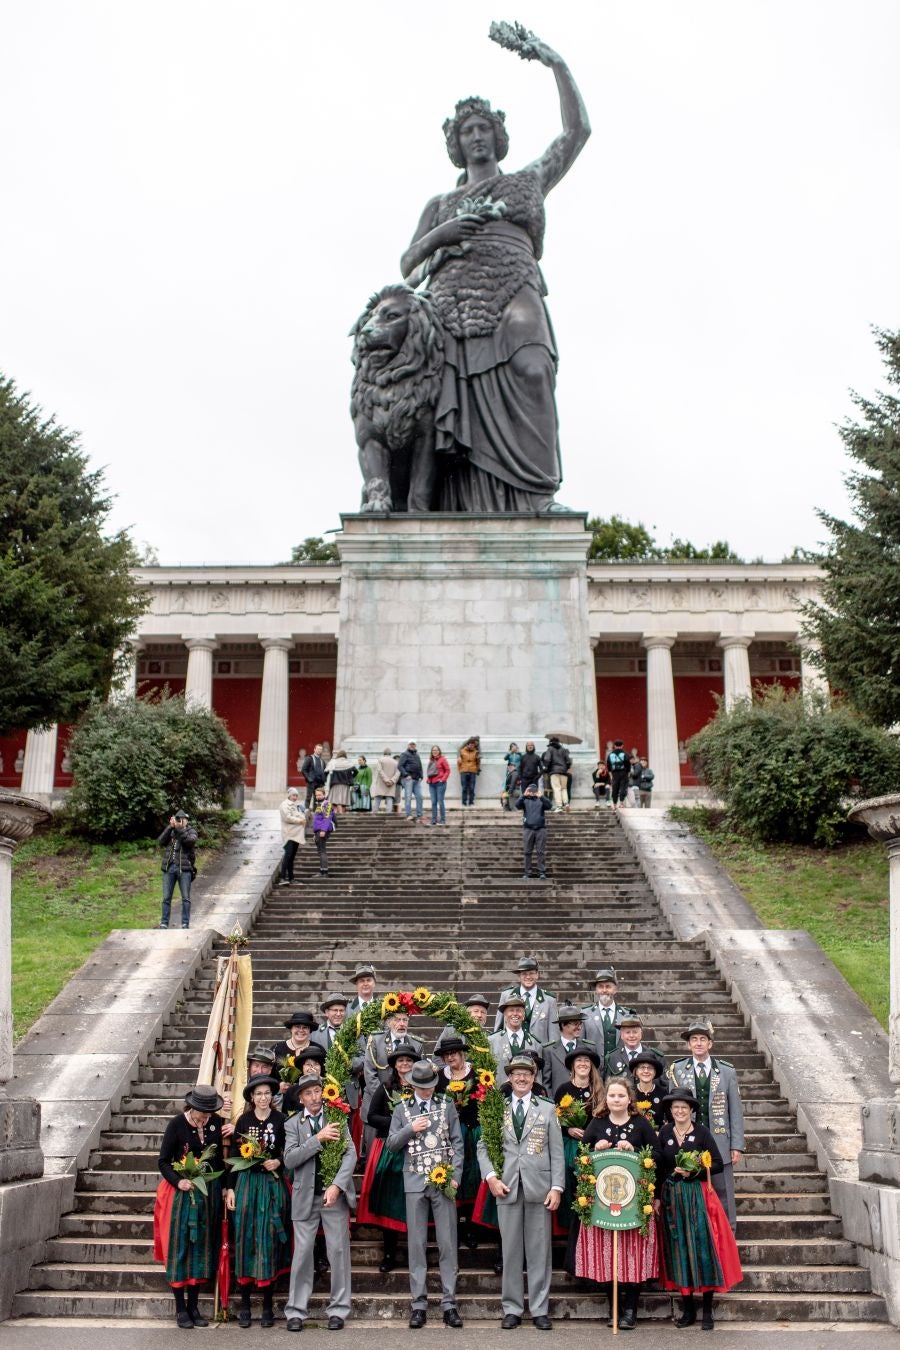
pixel 737 668
pixel 271 762
pixel 20 1119
pixel 812 676
pixel 39 768
pixel 662 729
pixel 198 685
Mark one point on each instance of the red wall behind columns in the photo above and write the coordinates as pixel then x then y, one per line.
pixel 695 705
pixel 146 683
pixel 789 681
pixel 622 710
pixel 310 716
pixel 237 701
pixel 9 747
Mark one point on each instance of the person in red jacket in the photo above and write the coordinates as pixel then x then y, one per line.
pixel 437 773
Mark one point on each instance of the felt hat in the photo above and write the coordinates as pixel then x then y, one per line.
pixel 698 1029
pixel 363 969
pixel 299 1018
pixel 479 999
pixel 203 1097
pixel 331 999
pixel 648 1057
pixel 405 1050
pixel 521 1061
pixel 606 973
pixel 526 963
pixel 680 1095
pixel 582 1048
pixel 260 1080
pixel 513 1000
pixel 423 1074
pixel 567 1012
pixel 262 1054
pixel 631 1020
pixel 312 1051
pixel 449 1044
pixel 307 1080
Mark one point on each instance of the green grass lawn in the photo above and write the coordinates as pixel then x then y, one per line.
pixel 67 895
pixel 839 895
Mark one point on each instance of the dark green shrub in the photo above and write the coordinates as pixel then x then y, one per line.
pixel 137 760
pixel 784 767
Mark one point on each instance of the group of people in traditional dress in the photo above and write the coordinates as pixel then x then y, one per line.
pixel 577 1079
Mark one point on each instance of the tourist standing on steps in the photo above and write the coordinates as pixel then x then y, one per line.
pixel 323 826
pixel 260 1201
pixel 534 830
pixel 179 866
pixel 714 1083
pixel 645 782
pixel 468 762
pixel 313 770
pixel 617 1125
pixel 437 774
pixel 426 1131
pixel 385 776
pixel 698 1253
pixel 341 773
pixel 530 768
pixel 361 792
pixel 527 1194
pixel 556 762
pixel 512 759
pixel 410 766
pixel 619 764
pixel 187 1224
pixel 312 1204
pixel 293 833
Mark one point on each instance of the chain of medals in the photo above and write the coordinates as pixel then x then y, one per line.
pixel 429 1147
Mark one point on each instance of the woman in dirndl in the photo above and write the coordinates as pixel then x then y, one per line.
pixel 618 1125
pixel 459 1082
pixel 698 1253
pixel 585 1086
pixel 187 1225
pixel 260 1201
pixel 650 1087
pixel 382 1198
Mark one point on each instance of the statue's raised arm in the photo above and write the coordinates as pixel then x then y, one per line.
pixel 560 155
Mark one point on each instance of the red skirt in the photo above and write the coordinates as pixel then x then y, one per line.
pixel 390 1197
pixel 162 1220
pixel 723 1240
pixel 638 1259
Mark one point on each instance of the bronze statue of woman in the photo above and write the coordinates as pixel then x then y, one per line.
pixel 478 247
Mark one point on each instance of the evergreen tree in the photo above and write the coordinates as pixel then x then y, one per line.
pixel 67 598
pixel 858 622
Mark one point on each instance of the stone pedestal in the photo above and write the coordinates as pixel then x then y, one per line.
pixel 454 626
pixel 20 1118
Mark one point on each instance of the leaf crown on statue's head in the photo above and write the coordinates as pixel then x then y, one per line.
pixel 473 106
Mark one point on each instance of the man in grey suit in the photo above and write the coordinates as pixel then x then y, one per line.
pixel 714 1083
pixel 603 1017
pixel 312 1204
pixel 478 1006
pixel 534 1174
pixel 334 1010
pixel 427 1129
pixel 556 1071
pixel 541 1021
pixel 512 1038
pixel 631 1044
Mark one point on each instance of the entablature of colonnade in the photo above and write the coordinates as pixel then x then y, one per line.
pixel 239 603
pixel 700 600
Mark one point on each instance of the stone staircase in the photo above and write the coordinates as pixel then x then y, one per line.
pixel 447 908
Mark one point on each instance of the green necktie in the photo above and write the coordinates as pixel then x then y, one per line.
pixel 570 1046
pixel 701 1073
pixel 519 1118
pixel 606 1017
pixel 315 1124
pixel 514 1042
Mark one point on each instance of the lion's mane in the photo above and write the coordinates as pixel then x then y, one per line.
pixel 392 396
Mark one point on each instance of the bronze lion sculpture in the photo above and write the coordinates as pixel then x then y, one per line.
pixel 398 352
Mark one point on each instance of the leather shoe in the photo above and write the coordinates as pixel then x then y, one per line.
pixel 294 1324
pixel 542 1324
pixel 267 1319
pixel 335 1324
pixel 510 1322
pixel 244 1318
pixel 388 1264
pixel 417 1319
pixel 185 1321
pixel 452 1317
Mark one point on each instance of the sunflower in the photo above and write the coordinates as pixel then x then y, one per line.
pixel 648 1163
pixel 706 1158
pixel 291 1061
pixel 330 1092
pixel 486 1078
pixel 389 1004
pixel 438 1175
pixel 421 995
pixel 246 1150
pixel 456 1085
pixel 643 1106
pixel 583 1201
pixel 566 1101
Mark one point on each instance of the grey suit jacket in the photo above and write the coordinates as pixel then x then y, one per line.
pixel 401 1132
pixel 499 1044
pixel 536 1161
pixel 726 1114
pixel 300 1149
pixel 555 1071
pixel 617 1061
pixel 544 1023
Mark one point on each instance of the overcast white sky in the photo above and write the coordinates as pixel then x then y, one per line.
pixel 198 198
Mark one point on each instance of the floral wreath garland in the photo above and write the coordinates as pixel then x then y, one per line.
pixel 443 1007
pixel 585 1188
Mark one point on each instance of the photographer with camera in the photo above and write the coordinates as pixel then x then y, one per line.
pixel 179 865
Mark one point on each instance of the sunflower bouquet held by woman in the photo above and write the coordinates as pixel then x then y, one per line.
pixel 571 1113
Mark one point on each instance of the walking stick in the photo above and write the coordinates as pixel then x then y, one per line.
pixel 615 1283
